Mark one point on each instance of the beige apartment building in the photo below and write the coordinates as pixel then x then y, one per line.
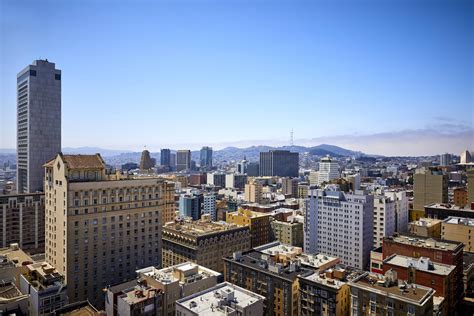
pixel 430 186
pixel 253 191
pixel 459 229
pixel 100 227
pixel 290 233
pixel 203 242
pixel 425 227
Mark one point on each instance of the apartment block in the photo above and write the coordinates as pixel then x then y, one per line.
pixel 45 288
pixel 425 227
pixel 253 191
pixel 222 299
pixel 375 294
pixel 459 229
pixel 290 233
pixel 327 292
pixel 460 197
pixel 423 271
pixel 209 206
pixel 289 187
pixel 203 242
pixel 100 227
pixel 179 281
pixel 341 225
pixel 258 223
pixel 429 186
pixel 328 170
pixel 384 219
pixel 22 221
pixel 400 200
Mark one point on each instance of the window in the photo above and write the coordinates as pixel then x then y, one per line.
pixel 56 76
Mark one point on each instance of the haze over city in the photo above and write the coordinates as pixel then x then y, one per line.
pixel 381 77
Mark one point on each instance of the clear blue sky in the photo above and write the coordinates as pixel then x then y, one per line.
pixel 192 73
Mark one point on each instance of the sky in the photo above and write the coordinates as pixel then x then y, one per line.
pixel 384 77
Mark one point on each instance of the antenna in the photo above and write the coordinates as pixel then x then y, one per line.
pixel 291 138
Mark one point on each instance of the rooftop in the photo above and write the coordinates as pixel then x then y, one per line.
pixel 444 206
pixel 221 299
pixel 377 283
pixel 426 222
pixel 13 256
pixel 42 275
pixel 426 242
pixel 81 161
pixel 183 273
pixel 138 294
pixel 422 264
pixel 334 277
pixel 459 221
pixel 200 227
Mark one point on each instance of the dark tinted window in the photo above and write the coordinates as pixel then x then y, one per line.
pixel 33 73
pixel 57 76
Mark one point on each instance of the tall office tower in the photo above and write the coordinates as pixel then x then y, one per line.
pixel 38 122
pixel 101 227
pixel 146 162
pixel 465 157
pixel 384 219
pixel 183 160
pixel 470 186
pixel 209 206
pixel 340 224
pixel 216 179
pixel 190 206
pixel 430 186
pixel 282 163
pixel 206 158
pixel 165 157
pixel 22 221
pixel 400 200
pixel 253 191
pixel 328 170
pixel 242 166
pixel 445 159
pixel 173 162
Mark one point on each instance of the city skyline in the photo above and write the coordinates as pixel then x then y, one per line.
pixel 337 74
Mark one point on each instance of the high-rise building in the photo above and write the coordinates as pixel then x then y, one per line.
pixel 253 169
pixel 165 157
pixel 216 179
pixel 459 229
pixel 146 162
pixel 282 163
pixel 290 233
pixel 253 191
pixel 190 206
pixel 206 158
pixel 183 160
pixel 470 186
pixel 242 166
pixel 38 122
pixel 209 206
pixel 235 180
pixel 328 170
pixel 445 159
pixel 289 187
pixel 173 161
pixel 22 221
pixel 100 227
pixel 203 242
pixel 465 157
pixel 384 219
pixel 340 224
pixel 429 186
pixel 400 199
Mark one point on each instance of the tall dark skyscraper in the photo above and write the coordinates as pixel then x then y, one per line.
pixel 165 157
pixel 282 163
pixel 206 158
pixel 38 122
pixel 183 160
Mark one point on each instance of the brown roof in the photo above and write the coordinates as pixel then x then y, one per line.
pixel 84 161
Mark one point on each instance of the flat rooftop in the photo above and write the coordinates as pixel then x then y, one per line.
pixel 334 280
pixel 459 221
pixel 139 294
pixel 418 241
pixel 200 228
pixel 188 270
pixel 14 256
pixel 432 267
pixel 278 248
pixel 452 207
pixel 369 282
pixel 426 222
pixel 207 301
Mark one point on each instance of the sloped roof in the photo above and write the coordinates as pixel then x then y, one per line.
pixel 80 161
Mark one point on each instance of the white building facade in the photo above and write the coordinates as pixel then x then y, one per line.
pixel 339 224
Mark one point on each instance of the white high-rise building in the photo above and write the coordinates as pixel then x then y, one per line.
pixel 38 123
pixel 400 200
pixel 210 206
pixel 384 218
pixel 339 224
pixel 328 170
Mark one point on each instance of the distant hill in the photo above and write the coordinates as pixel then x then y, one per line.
pixel 118 157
